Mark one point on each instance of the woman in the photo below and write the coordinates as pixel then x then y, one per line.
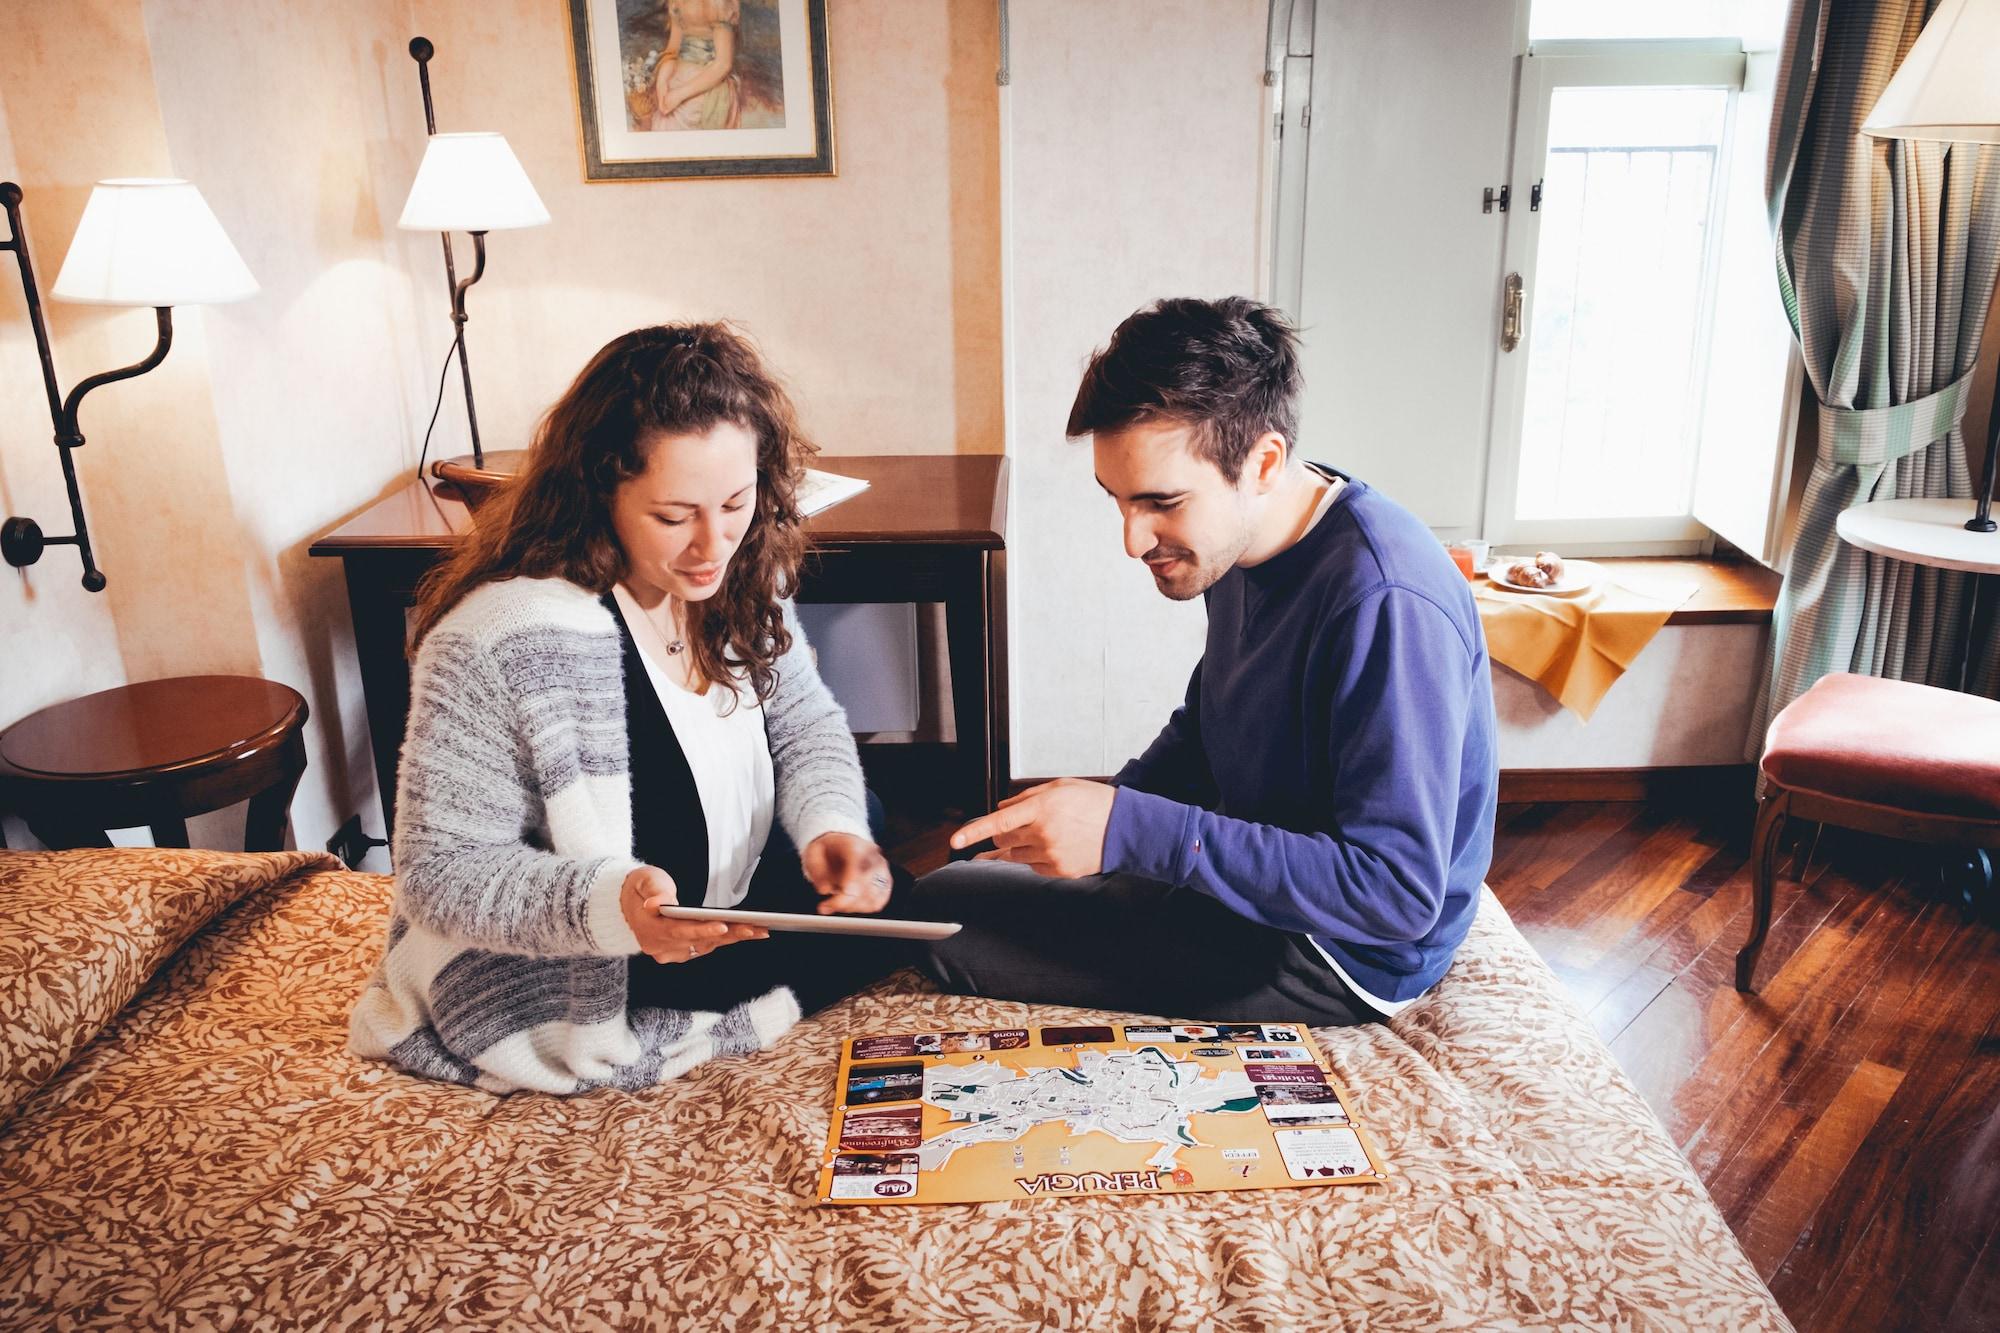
pixel 695 87
pixel 611 707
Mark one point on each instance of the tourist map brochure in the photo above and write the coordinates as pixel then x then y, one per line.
pixel 1141 1108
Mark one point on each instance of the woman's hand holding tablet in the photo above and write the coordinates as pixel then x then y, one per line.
pixel 646 897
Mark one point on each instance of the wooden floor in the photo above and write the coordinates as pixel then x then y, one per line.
pixel 1846 1118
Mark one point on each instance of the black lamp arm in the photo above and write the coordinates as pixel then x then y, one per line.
pixel 67 433
pixel 1982 516
pixel 478 271
pixel 22 539
pixel 421 51
pixel 17 241
pixel 458 332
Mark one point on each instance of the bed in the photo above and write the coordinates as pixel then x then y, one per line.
pixel 185 1140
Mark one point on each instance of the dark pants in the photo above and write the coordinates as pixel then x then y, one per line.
pixel 820 969
pixel 1121 942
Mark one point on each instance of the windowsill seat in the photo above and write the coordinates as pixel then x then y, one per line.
pixel 1732 591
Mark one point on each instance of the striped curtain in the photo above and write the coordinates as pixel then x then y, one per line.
pixel 1887 254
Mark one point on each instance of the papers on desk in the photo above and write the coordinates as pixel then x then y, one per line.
pixel 823 490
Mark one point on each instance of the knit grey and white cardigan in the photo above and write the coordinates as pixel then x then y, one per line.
pixel 507 949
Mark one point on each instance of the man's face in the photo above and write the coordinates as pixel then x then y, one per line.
pixel 1181 516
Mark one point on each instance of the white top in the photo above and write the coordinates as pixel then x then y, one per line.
pixel 1923 532
pixel 730 757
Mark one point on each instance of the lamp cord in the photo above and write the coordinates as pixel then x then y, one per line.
pixel 437 406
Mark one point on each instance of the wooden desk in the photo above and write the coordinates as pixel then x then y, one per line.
pixel 930 528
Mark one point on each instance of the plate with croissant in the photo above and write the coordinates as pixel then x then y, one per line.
pixel 1544 571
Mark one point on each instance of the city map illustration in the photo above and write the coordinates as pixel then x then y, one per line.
pixel 961 1117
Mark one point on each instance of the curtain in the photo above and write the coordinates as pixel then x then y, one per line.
pixel 1886 254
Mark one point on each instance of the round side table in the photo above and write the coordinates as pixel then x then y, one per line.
pixel 1927 532
pixel 153 754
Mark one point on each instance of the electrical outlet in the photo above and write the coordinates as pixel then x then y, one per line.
pixel 351 844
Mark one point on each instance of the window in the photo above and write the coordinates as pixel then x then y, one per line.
pixel 1628 167
pixel 1622 287
pixel 1646 402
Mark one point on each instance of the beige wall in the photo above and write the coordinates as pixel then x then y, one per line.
pixel 875 293
pixel 41 667
pixel 269 419
pixel 175 602
pixel 1100 224
pixel 879 293
pixel 147 437
pixel 319 387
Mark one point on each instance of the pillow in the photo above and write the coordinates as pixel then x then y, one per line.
pixel 82 932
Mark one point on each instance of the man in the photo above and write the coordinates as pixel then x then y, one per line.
pixel 1306 838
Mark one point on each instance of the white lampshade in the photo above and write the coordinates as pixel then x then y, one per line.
pixel 471 182
pixel 151 242
pixel 1948 87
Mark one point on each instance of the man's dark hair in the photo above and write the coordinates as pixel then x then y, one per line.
pixel 1228 368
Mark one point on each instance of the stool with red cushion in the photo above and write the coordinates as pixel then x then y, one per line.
pixel 1880 756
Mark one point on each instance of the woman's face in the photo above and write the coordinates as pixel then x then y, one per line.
pixel 682 519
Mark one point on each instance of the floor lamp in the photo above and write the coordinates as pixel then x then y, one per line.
pixel 473 183
pixel 1948 90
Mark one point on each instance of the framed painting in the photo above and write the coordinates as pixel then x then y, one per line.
pixel 678 88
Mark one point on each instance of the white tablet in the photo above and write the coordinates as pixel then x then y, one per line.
pixel 819 925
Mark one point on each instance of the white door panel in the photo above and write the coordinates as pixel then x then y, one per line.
pixel 1399 304
pixel 1743 471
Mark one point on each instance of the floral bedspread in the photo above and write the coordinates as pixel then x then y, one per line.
pixel 216 1158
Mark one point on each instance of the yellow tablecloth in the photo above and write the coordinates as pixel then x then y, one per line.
pixel 1577 647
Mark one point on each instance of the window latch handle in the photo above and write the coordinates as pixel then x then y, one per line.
pixel 1510 317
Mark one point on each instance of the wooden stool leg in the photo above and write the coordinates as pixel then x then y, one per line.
pixel 270 809
pixel 1763 859
pixel 170 833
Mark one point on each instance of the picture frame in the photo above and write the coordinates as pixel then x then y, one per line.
pixel 768 110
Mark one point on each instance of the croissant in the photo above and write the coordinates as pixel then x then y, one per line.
pixel 1542 570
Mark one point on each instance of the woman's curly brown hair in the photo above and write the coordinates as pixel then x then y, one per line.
pixel 554 519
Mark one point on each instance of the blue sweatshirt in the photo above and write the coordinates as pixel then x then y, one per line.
pixel 1332 772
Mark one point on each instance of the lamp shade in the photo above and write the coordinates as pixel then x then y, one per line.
pixel 151 242
pixel 471 182
pixel 1948 87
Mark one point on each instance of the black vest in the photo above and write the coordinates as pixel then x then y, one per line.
pixel 669 827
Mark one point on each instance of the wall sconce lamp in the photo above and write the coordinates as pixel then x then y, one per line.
pixel 139 243
pixel 467 182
